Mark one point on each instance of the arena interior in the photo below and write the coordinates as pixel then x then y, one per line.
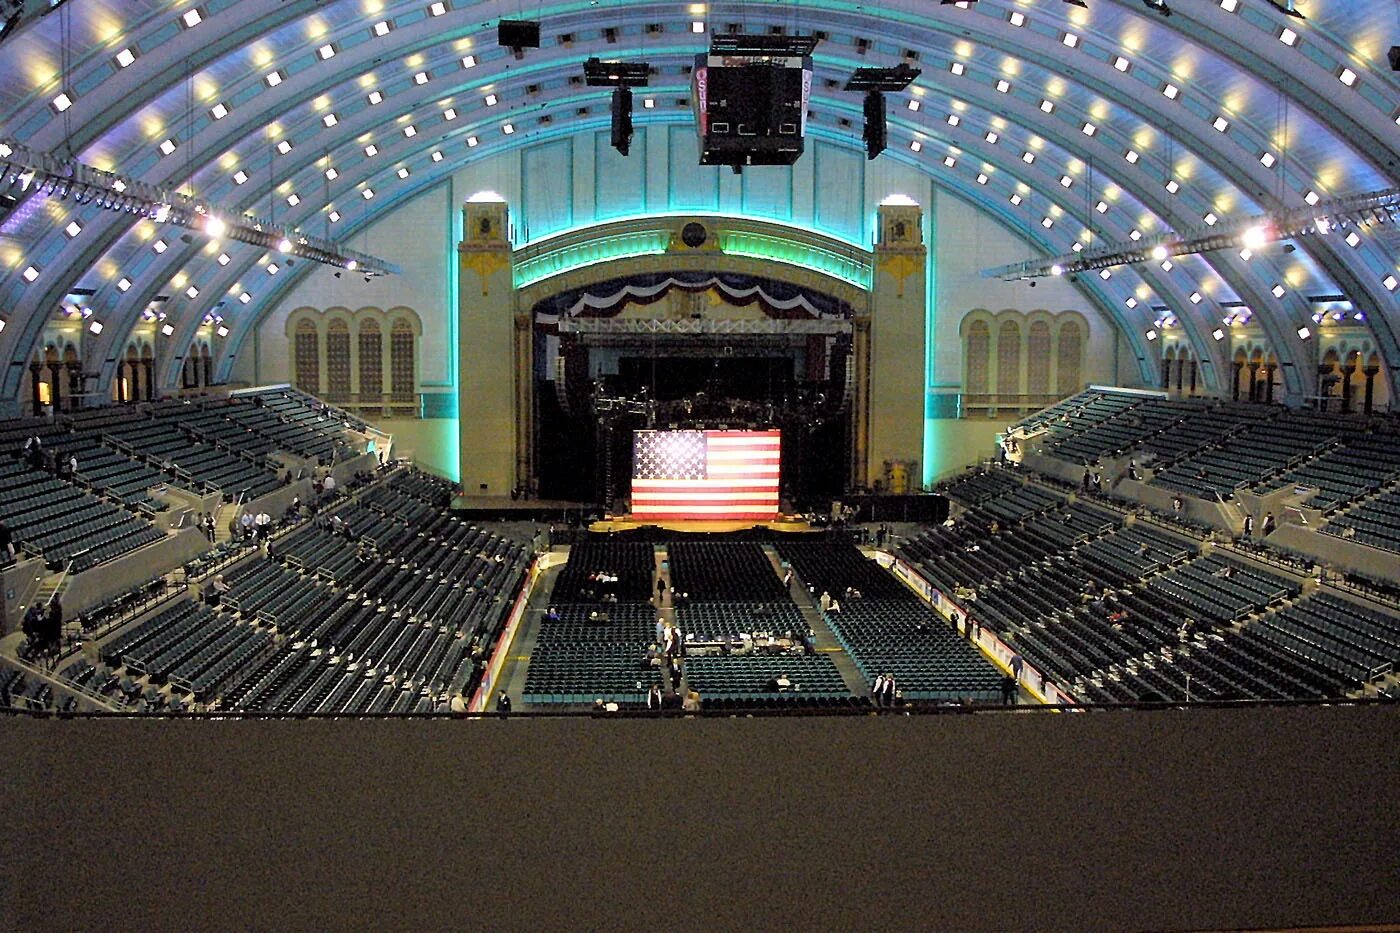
pixel 749 463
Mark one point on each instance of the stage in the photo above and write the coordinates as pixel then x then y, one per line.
pixel 785 524
pixel 508 509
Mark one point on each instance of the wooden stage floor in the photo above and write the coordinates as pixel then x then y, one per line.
pixel 782 523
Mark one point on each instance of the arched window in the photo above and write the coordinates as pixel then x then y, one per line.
pixel 371 362
pixel 401 364
pixel 1009 358
pixel 1071 358
pixel 976 358
pixel 338 361
pixel 307 373
pixel 1038 359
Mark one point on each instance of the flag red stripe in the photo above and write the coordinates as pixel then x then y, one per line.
pixel 742 470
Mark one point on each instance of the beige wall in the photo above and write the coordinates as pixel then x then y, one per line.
pixel 430 442
pixel 416 238
pixel 957 443
pixel 968 241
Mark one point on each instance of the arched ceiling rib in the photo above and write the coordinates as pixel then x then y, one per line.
pixel 1282 100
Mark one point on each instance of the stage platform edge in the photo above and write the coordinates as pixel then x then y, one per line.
pixel 783 523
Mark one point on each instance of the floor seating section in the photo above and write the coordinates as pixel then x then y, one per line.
pixel 633 563
pixel 888 630
pixel 750 678
pixel 1098 603
pixel 730 589
pixel 596 649
pixel 398 616
pixel 593 652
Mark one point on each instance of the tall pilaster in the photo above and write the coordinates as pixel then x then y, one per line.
pixel 897 347
pixel 486 352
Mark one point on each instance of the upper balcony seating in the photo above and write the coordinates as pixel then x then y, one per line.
pixel 106 469
pixel 162 439
pixel 1207 427
pixel 1123 430
pixel 1246 457
pixel 1375 522
pixel 1080 413
pixel 977 486
pixel 1359 465
pixel 62 522
pixel 419 617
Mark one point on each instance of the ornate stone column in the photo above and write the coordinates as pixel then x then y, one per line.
pixel 487 356
pixel 896 346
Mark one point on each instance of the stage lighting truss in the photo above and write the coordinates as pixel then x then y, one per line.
pixel 1324 218
pixel 884 80
pixel 598 73
pixel 75 181
pixel 762 45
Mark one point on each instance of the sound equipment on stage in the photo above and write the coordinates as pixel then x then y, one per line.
pixel 923 509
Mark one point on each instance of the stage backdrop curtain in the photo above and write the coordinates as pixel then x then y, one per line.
pixel 777 299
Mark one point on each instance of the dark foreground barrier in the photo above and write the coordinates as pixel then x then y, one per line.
pixel 1166 819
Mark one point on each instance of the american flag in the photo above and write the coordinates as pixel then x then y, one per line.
pixel 705 474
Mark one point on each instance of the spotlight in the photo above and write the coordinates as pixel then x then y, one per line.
pixel 214 226
pixel 1254 238
pixel 1158 6
pixel 284 245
